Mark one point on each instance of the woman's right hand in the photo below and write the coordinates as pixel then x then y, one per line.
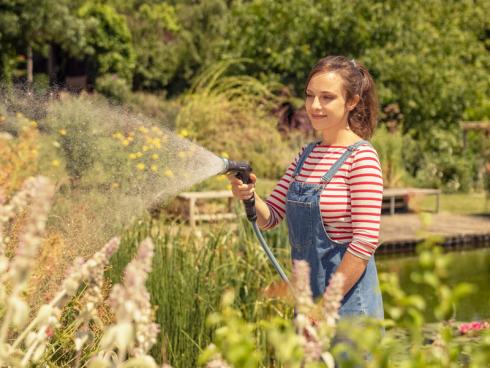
pixel 240 190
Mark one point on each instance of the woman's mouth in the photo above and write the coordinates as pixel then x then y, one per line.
pixel 318 116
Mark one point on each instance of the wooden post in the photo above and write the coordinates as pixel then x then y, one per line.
pixel 192 206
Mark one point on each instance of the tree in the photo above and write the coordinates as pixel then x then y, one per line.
pixel 34 25
pixel 155 30
pixel 109 43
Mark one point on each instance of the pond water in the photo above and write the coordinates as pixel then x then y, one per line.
pixel 471 266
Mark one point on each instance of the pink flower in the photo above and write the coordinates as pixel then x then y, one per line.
pixel 465 328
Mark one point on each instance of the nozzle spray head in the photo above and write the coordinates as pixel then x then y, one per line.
pixel 237 167
pixel 242 171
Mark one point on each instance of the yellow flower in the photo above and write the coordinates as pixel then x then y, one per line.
pixel 132 156
pixel 154 168
pixel 154 156
pixel 56 144
pixel 115 185
pixel 181 154
pixel 140 166
pixel 118 135
pixel 143 130
pixel 33 124
pixel 168 173
pixel 228 187
pixel 55 163
pixel 145 148
pixel 125 142
pixel 184 133
pixel 130 138
pixel 19 115
pixel 138 154
pixel 62 132
pixel 2 118
pixel 224 155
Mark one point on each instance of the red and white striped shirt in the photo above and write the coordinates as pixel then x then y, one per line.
pixel 350 204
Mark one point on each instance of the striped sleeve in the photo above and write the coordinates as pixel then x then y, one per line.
pixel 276 201
pixel 366 192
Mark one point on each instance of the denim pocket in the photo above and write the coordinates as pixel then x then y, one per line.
pixel 300 224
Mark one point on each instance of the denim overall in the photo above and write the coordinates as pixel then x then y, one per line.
pixel 310 241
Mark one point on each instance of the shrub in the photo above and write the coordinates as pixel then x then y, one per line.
pixel 113 87
pixel 437 160
pixel 390 151
pixel 18 157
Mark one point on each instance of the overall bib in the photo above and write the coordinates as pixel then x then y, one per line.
pixel 310 242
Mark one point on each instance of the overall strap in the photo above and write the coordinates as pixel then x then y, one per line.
pixel 303 157
pixel 336 166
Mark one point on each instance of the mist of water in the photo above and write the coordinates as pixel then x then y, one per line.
pixel 110 165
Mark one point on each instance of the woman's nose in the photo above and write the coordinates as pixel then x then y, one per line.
pixel 316 103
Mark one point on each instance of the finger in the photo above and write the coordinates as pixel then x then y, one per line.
pixel 234 180
pixel 253 178
pixel 247 192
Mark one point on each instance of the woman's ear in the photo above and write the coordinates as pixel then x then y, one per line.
pixel 352 103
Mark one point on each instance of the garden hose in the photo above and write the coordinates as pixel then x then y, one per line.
pixel 242 171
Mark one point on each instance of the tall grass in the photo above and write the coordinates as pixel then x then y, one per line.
pixel 190 275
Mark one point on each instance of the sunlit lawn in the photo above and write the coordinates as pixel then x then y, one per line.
pixel 461 203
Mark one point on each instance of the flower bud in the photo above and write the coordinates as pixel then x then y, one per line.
pixel 20 311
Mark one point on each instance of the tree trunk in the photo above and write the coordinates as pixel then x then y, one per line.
pixel 30 77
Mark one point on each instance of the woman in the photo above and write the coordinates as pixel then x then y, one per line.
pixel 331 193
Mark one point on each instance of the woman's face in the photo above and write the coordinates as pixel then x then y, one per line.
pixel 325 102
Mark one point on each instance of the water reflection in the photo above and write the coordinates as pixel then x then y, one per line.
pixel 471 266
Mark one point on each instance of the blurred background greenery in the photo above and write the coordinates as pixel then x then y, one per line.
pixel 430 61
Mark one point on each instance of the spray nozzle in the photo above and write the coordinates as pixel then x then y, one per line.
pixel 241 170
pixel 237 167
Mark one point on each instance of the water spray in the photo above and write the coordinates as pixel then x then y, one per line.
pixel 242 170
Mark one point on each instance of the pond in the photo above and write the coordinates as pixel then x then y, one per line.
pixel 471 266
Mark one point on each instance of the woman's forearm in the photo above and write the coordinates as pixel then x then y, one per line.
pixel 352 268
pixel 263 211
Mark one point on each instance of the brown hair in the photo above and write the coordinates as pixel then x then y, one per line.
pixel 357 81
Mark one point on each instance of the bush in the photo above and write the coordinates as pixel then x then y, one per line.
pixel 113 87
pixel 390 151
pixel 438 160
